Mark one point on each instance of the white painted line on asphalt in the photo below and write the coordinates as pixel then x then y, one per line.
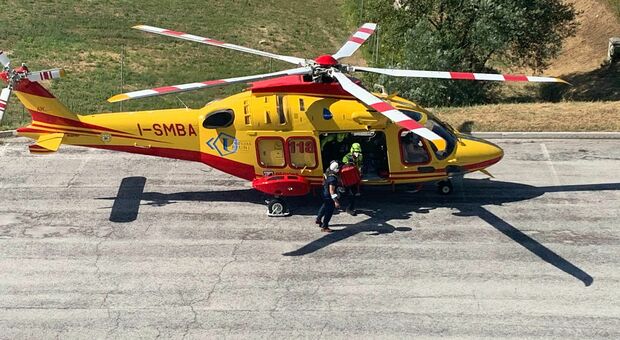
pixel 554 174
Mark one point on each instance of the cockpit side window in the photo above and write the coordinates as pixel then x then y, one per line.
pixel 412 114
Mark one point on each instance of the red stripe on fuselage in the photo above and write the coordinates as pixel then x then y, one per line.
pixel 228 166
pixel 366 30
pixel 481 165
pixel 79 132
pixel 31 130
pixel 417 177
pixel 50 119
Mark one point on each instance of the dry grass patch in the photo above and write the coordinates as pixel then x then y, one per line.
pixel 565 116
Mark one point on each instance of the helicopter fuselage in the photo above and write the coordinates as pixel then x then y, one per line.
pixel 280 126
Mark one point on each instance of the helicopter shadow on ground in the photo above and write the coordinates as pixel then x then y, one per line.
pixel 387 207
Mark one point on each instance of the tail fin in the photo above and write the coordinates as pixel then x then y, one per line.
pixel 50 117
pixel 41 103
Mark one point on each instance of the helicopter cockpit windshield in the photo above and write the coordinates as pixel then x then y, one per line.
pixel 445 132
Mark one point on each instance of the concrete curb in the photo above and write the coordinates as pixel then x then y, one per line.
pixel 6 134
pixel 497 135
pixel 547 135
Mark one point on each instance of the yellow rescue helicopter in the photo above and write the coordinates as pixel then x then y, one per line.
pixel 280 133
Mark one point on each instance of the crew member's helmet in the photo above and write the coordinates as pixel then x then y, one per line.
pixel 356 149
pixel 333 166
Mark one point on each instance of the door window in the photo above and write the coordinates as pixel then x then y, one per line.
pixel 302 152
pixel 270 152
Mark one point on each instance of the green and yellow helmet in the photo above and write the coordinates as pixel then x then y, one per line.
pixel 356 147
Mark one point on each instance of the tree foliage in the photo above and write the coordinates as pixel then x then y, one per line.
pixel 463 35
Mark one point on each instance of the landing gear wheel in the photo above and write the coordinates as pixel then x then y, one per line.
pixel 444 187
pixel 277 208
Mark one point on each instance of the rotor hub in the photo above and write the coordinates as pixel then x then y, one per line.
pixel 326 60
pixel 13 76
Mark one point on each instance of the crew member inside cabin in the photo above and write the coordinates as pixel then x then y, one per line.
pixel 413 149
pixel 353 159
pixel 333 146
pixel 330 197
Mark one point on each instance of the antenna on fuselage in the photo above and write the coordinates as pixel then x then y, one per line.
pixel 186 107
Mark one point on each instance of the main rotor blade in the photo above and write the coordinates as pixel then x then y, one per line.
pixel 388 110
pixel 46 75
pixel 458 75
pixel 4 99
pixel 356 40
pixel 4 60
pixel 213 42
pixel 205 84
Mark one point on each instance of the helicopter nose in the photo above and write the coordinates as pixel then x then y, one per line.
pixel 474 154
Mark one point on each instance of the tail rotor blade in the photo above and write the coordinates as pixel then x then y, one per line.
pixel 205 84
pixel 213 42
pixel 356 40
pixel 458 75
pixel 46 75
pixel 4 99
pixel 4 60
pixel 388 110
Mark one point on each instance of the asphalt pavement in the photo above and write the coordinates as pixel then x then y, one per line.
pixel 97 244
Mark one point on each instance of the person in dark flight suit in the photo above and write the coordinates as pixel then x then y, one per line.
pixel 330 197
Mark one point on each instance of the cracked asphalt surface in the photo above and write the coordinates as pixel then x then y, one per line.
pixel 95 244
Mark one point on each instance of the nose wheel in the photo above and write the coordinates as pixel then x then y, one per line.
pixel 445 187
pixel 277 207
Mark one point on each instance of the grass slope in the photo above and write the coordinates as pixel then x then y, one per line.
pixel 87 38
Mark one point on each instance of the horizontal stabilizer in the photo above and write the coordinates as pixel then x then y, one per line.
pixel 47 143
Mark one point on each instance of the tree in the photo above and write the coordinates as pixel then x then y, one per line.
pixel 464 35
